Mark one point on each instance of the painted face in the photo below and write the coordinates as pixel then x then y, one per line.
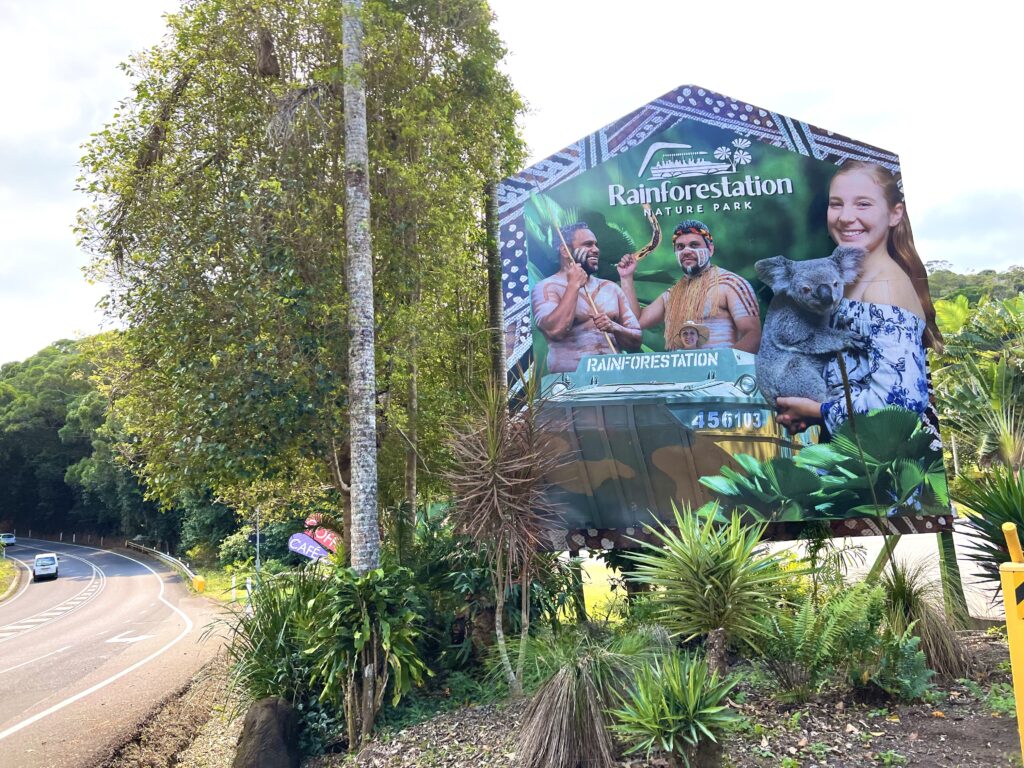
pixel 585 250
pixel 689 338
pixel 858 213
pixel 692 252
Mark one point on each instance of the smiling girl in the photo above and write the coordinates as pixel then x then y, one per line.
pixel 888 308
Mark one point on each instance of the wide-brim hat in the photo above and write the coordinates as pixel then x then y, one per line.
pixel 702 330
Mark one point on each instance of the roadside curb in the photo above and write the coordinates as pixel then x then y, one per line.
pixel 18 569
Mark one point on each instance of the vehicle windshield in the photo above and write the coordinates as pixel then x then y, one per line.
pixel 46 561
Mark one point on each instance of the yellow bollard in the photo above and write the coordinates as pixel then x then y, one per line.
pixel 199 582
pixel 1012 577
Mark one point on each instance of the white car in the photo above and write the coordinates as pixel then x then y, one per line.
pixel 7 539
pixel 45 566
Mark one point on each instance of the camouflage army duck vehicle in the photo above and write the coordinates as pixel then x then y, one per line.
pixel 638 431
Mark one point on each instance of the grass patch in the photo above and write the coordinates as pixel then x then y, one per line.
pixel 8 573
pixel 218 584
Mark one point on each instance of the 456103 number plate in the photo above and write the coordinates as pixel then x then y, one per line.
pixel 732 419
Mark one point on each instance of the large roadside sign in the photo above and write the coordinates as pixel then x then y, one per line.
pixel 632 287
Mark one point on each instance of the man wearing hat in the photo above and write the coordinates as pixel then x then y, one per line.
pixel 706 295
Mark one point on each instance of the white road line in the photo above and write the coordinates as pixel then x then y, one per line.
pixel 33 661
pixel 104 683
pixel 92 589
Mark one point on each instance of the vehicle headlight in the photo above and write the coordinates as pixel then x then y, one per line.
pixel 558 388
pixel 747 384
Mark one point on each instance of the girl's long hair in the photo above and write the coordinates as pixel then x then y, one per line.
pixel 901 246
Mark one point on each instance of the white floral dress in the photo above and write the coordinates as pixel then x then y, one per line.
pixel 887 368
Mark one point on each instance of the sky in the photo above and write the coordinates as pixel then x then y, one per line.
pixel 935 86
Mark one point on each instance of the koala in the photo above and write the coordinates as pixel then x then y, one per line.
pixel 797 342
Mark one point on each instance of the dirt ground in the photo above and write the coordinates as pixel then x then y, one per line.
pixel 172 729
pixel 956 729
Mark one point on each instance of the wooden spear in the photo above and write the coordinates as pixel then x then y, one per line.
pixel 590 299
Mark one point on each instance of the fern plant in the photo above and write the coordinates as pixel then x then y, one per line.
pixel 803 647
pixel 903 671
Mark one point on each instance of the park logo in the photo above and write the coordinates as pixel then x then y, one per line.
pixel 666 161
pixel 675 161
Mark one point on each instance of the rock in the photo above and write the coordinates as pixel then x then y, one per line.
pixel 270 736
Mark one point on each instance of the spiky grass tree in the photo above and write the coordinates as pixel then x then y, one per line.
pixel 713 580
pixel 914 602
pixel 498 483
pixel 584 673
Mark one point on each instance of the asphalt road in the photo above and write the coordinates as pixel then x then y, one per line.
pixel 85 657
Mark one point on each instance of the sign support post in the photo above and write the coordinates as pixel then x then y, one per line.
pixel 1012 576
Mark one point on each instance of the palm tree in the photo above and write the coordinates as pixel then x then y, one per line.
pixel 981 381
pixel 365 545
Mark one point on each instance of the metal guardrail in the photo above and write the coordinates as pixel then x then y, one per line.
pixel 197 581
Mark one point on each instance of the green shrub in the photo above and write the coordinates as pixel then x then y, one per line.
pixel 362 640
pixel 803 647
pixel 712 581
pixel 675 705
pixel 903 672
pixel 579 675
pixel 896 665
pixel 914 599
pixel 640 613
pixel 996 497
pixel 235 548
pixel 266 649
pixel 202 554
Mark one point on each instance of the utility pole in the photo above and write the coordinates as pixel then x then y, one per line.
pixel 257 538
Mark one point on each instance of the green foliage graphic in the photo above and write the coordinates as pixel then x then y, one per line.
pixel 898 468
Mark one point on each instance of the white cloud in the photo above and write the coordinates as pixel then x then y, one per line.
pixel 927 83
pixel 60 83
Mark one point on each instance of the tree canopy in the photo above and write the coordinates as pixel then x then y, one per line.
pixel 216 222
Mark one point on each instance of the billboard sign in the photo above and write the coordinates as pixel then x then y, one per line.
pixel 672 275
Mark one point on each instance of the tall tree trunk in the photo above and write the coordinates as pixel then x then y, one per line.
pixel 524 621
pixel 514 685
pixel 359 282
pixel 407 514
pixel 495 302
